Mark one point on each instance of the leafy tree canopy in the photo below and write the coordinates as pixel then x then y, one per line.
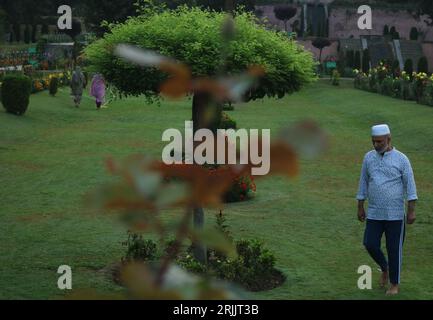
pixel 193 36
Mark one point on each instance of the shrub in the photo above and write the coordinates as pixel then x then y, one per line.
pixel 387 87
pixel 397 88
pixel 335 78
pixel 227 122
pixel 222 227
pixel 348 73
pixel 254 268
pixel 54 84
pixel 16 94
pixel 428 93
pixel 243 188
pixel 372 81
pixel 419 84
pixel 139 249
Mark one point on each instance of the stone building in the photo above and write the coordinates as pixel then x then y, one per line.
pixel 339 23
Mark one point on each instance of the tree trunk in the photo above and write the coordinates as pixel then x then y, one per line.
pixel 200 102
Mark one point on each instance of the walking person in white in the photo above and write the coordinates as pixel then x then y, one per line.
pixel 386 181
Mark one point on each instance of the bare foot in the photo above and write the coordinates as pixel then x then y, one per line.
pixel 393 290
pixel 383 279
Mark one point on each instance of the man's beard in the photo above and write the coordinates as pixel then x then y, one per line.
pixel 382 150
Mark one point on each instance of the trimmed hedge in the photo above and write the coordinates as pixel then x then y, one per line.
pixel 16 94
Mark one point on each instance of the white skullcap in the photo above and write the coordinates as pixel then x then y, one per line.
pixel 380 130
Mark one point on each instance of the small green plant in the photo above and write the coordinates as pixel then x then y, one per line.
pixel 16 93
pixel 139 249
pixel 227 122
pixel 335 77
pixel 222 226
pixel 254 268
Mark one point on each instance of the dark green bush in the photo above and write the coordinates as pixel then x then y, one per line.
pixel 254 268
pixel 54 85
pixel 16 94
pixel 139 249
pixel 242 189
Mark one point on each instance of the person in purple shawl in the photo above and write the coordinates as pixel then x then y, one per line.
pixel 97 89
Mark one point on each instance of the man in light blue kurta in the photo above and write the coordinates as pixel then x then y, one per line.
pixel 386 181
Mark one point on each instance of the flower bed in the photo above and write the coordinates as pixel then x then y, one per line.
pixel 417 86
pixel 41 81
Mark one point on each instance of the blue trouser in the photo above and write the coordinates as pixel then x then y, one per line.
pixel 394 234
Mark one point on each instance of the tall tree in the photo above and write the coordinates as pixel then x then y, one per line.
pixel 97 11
pixel 289 66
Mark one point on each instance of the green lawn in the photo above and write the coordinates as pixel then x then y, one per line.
pixel 54 154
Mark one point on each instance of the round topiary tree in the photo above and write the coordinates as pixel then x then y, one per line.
pixel 285 13
pixel 322 43
pixel 16 94
pixel 193 36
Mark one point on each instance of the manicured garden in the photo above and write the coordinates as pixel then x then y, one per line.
pixel 55 154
